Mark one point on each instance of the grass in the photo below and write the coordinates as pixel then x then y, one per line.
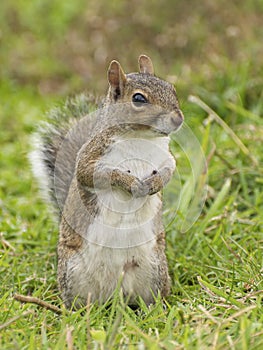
pixel 215 265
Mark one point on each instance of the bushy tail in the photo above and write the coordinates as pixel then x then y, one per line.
pixel 57 143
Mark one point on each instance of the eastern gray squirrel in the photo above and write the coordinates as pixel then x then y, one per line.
pixel 103 171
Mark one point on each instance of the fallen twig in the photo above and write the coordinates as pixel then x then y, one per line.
pixel 33 300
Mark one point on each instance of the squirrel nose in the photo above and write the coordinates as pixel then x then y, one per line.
pixel 176 119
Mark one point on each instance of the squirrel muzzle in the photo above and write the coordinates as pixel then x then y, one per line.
pixel 169 122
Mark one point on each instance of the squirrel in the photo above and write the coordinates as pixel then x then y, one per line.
pixel 104 171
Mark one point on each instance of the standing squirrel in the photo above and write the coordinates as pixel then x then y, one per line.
pixel 104 171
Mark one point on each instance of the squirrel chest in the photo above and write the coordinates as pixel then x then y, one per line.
pixel 139 156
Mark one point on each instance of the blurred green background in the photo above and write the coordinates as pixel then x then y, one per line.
pixel 60 47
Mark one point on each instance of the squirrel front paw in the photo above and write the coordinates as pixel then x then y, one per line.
pixel 157 180
pixel 153 183
pixel 139 188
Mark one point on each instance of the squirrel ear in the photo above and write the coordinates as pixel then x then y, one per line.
pixel 117 79
pixel 146 65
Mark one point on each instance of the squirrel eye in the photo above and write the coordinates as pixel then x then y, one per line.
pixel 139 99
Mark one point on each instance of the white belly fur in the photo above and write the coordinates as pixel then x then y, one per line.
pixel 98 269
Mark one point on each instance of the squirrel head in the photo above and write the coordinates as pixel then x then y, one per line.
pixel 151 98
